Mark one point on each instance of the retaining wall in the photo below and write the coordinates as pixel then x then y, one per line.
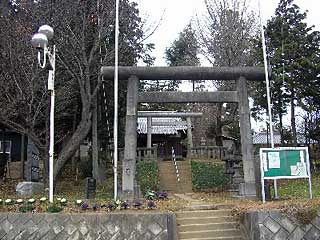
pixel 267 225
pixel 111 226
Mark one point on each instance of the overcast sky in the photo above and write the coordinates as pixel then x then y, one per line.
pixel 177 14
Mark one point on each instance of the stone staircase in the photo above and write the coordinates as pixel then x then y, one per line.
pixel 168 177
pixel 208 225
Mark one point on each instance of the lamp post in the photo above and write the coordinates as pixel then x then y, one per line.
pixel 40 41
pixel 116 90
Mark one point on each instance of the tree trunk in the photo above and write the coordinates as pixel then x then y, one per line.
pixel 281 128
pixel 71 147
pixel 74 158
pixel 95 163
pixel 293 120
pixel 219 125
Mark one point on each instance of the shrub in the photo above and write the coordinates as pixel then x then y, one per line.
pixel 208 176
pixel 27 208
pixel 301 213
pixel 54 208
pixel 147 176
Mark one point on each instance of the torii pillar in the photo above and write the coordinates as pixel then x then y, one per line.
pixel 189 136
pixel 130 153
pixel 248 188
pixel 149 132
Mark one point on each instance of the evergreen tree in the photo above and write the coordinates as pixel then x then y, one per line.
pixel 184 52
pixel 293 52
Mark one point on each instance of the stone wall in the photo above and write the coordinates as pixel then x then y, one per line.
pixel 267 225
pixel 111 226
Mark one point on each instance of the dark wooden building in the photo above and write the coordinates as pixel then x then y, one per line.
pixel 164 137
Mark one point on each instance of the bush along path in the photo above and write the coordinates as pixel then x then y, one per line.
pixel 203 222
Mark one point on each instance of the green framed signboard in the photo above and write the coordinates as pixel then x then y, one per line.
pixel 284 163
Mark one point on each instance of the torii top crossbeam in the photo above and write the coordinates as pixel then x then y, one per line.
pixel 186 73
pixel 168 114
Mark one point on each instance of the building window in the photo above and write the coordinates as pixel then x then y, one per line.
pixel 8 147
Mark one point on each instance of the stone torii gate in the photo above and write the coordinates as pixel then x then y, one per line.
pixel 240 96
pixel 150 115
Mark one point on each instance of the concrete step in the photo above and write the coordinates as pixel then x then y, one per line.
pixel 207 207
pixel 201 220
pixel 175 183
pixel 219 238
pixel 168 177
pixel 204 213
pixel 183 179
pixel 210 234
pixel 171 163
pixel 176 189
pixel 173 169
pixel 176 186
pixel 174 178
pixel 172 186
pixel 174 174
pixel 207 226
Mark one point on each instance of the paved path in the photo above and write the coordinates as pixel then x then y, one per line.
pixel 196 204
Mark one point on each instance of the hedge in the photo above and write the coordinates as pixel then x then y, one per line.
pixel 147 176
pixel 207 176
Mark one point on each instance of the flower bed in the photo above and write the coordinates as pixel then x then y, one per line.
pixel 62 204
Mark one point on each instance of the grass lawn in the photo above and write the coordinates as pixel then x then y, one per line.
pixel 297 188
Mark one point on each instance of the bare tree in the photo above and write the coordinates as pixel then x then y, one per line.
pixel 23 98
pixel 79 38
pixel 226 32
pixel 225 36
pixel 81 57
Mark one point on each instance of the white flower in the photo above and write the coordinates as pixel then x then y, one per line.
pixel 19 201
pixel 58 199
pixel 79 202
pixel 63 200
pixel 8 201
pixel 31 200
pixel 1 200
pixel 43 199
